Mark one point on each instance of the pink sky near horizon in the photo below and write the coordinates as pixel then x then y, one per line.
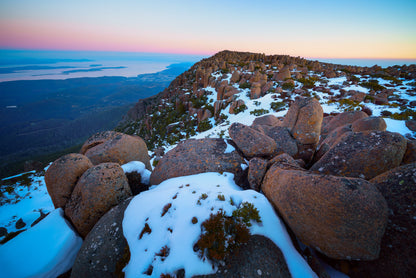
pixel 375 29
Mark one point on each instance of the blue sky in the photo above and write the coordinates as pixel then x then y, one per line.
pixel 338 29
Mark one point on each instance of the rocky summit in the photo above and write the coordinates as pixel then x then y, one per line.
pixel 329 148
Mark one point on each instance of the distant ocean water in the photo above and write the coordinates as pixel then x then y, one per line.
pixel 35 65
pixel 367 62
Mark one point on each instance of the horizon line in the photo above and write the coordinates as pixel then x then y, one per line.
pixel 198 53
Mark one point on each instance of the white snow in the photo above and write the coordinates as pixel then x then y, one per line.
pixel 176 231
pixel 139 167
pixel 230 148
pixel 48 249
pixel 24 202
pixel 397 126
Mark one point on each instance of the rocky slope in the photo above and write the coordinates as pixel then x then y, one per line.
pixel 310 141
pixel 216 87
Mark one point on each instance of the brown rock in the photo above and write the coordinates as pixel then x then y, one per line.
pixel 343 119
pixel 97 191
pixel 410 154
pixel 329 141
pixel 357 96
pixel 235 77
pixel 118 148
pixel 285 142
pixel 97 139
pixel 283 74
pixel 411 124
pixel 255 91
pixel 266 88
pixel 369 123
pixel 62 176
pixel 234 105
pixel 269 120
pixel 260 253
pixel 197 156
pixel 284 161
pixel 397 256
pixel 304 120
pixel 256 169
pixel 104 252
pixel 363 154
pixel 251 142
pixel 344 218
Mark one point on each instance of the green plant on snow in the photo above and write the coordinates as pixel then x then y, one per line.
pixel 259 112
pixel 240 109
pixel 277 106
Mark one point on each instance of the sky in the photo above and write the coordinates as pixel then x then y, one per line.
pixel 320 29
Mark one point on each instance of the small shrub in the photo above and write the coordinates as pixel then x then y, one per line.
pixel 245 85
pixel 308 83
pixel 240 109
pixel 221 235
pixel 277 106
pixel 372 85
pixel 221 197
pixel 155 162
pixel 204 125
pixel 225 71
pixel 256 103
pixel 288 86
pixel 194 220
pixel 259 112
pixel 354 78
pixel 246 213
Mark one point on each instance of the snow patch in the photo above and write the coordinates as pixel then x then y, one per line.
pixel 180 200
pixel 139 167
pixel 45 250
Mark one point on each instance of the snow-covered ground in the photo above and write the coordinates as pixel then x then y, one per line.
pixel 190 197
pixel 48 249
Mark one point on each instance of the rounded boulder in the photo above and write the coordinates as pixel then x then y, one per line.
pixel 116 147
pixel 252 142
pixel 362 154
pixel 62 176
pixel 97 191
pixel 343 218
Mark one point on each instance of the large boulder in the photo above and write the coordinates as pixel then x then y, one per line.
pixel 198 156
pixel 330 140
pixel 269 120
pixel 342 119
pixel 362 154
pixel 98 190
pixel 369 123
pixel 343 218
pixel 105 251
pixel 252 142
pixel 62 176
pixel 304 121
pixel 111 146
pixel 259 257
pixel 397 256
pixel 283 74
pixel 284 140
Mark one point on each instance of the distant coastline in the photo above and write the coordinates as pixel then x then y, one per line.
pixel 18 65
